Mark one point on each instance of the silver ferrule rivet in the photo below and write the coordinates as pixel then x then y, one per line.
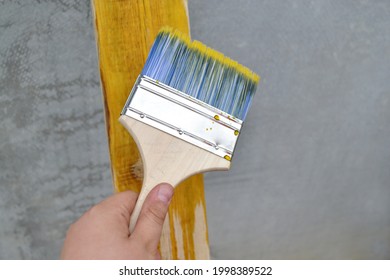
pixel 216 147
pixel 142 116
pixel 180 131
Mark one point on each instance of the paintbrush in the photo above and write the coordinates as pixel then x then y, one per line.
pixel 185 111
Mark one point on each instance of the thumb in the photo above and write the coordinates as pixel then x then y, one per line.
pixel 148 229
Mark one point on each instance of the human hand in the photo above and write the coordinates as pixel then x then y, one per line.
pixel 103 231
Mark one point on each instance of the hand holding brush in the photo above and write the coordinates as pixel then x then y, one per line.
pixel 103 231
pixel 186 111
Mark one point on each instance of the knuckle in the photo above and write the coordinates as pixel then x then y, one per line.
pixel 156 214
pixel 152 252
pixel 146 252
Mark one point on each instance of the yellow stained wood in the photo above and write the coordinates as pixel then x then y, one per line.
pixel 125 31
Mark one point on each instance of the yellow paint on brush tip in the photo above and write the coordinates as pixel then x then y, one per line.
pixel 211 53
pixel 227 157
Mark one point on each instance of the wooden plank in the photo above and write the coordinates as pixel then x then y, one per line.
pixel 125 31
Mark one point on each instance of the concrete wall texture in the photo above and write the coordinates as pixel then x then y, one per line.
pixel 311 174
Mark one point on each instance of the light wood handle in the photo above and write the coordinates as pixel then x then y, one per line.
pixel 167 159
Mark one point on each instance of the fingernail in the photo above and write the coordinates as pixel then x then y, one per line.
pixel 165 193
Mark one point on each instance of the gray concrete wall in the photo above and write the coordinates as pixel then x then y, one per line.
pixel 53 148
pixel 311 175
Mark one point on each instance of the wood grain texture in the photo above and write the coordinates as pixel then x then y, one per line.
pixel 125 31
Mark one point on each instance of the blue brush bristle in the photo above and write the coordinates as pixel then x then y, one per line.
pixel 201 73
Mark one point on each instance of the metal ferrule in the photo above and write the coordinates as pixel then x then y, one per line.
pixel 183 116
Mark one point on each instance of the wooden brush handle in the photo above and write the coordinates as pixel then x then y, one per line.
pixel 167 159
